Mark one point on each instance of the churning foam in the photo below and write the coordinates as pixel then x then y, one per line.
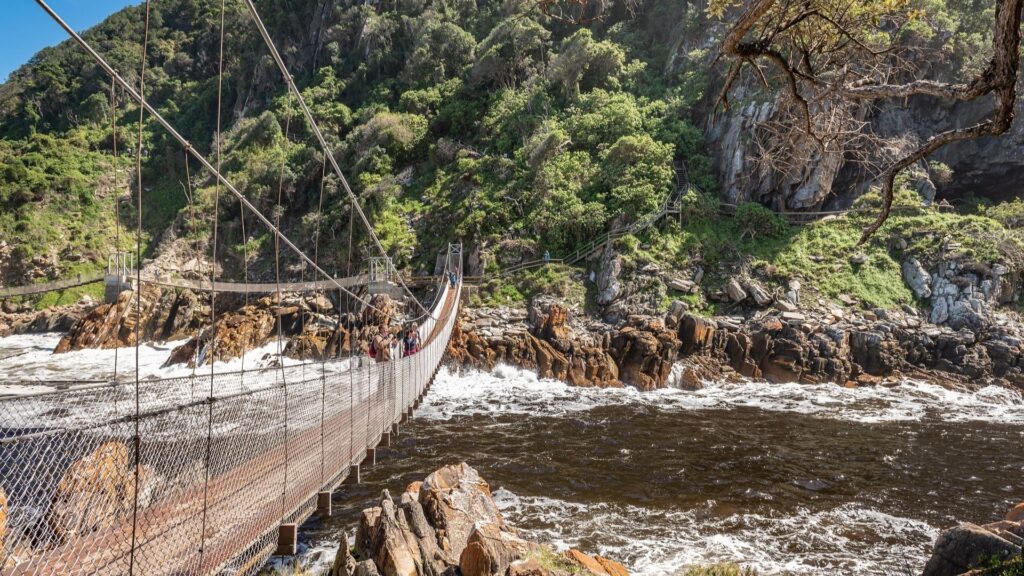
pixel 658 542
pixel 508 390
pixel 28 360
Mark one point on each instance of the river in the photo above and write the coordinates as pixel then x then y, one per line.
pixel 788 479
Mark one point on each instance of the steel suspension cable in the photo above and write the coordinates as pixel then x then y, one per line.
pixel 190 194
pixel 117 210
pixel 323 354
pixel 280 300
pixel 320 138
pixel 138 292
pixel 191 149
pixel 211 350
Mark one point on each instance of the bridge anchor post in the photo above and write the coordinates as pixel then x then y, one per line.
pixel 323 504
pixel 287 540
pixel 353 474
pixel 371 455
pixel 385 439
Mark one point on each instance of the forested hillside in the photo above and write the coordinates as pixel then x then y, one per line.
pixel 494 123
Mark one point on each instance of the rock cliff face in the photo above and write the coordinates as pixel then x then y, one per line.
pixel 990 167
pixel 449 524
pixel 744 178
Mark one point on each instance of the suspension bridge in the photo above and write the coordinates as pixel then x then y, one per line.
pixel 213 472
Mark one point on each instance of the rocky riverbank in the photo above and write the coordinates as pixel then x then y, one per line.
pixel 837 344
pixel 311 325
pixel 450 524
pixel 25 319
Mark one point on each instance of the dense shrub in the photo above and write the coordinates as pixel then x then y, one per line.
pixel 756 221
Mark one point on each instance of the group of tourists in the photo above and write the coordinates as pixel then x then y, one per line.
pixel 380 346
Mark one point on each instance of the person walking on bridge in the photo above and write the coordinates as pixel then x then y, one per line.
pixel 382 344
pixel 411 341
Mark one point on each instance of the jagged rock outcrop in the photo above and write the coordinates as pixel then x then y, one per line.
pixel 158 315
pixel 450 524
pixel 542 339
pixel 644 351
pixel 454 498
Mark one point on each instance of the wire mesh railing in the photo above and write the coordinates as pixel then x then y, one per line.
pixel 219 463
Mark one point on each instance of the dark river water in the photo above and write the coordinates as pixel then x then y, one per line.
pixel 788 479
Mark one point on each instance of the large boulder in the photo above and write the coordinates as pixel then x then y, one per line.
pixel 454 499
pixel 959 549
pixel 97 491
pixel 917 278
pixel 447 525
pixel 490 550
pixel 735 291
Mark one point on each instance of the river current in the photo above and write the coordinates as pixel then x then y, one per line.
pixel 788 479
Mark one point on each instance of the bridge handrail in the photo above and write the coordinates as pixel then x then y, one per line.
pixel 29 289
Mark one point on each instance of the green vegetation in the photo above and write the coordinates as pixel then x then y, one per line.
pixel 487 123
pixel 494 124
pixel 555 562
pixel 1013 566
pixel 825 254
pixel 519 288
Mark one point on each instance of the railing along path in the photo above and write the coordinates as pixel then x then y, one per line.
pixel 218 474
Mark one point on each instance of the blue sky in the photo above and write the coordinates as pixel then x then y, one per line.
pixel 25 28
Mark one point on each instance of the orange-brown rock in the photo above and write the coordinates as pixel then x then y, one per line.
pixel 382 311
pixel 490 550
pixel 612 567
pixel 1016 514
pixel 696 335
pixel 454 499
pixel 553 327
pixel 97 491
pixel 453 526
pixel 158 314
pixel 644 351
pixel 318 343
pixel 584 561
pixel 566 361
pixel 414 488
